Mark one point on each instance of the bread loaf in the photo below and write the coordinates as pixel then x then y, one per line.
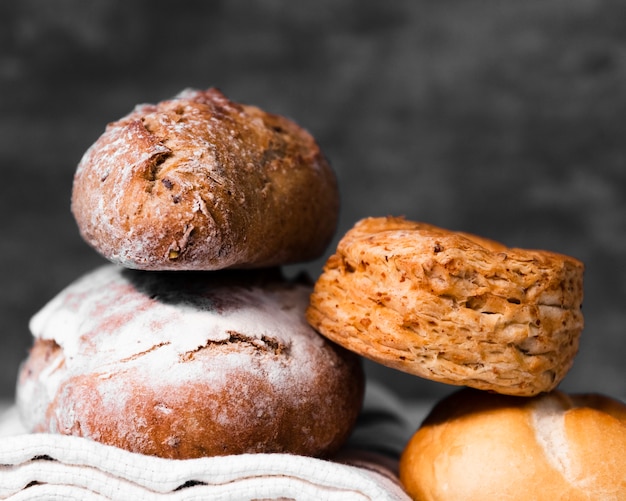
pixel 188 364
pixel 199 182
pixel 476 446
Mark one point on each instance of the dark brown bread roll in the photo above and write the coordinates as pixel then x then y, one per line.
pixel 199 182
pixel 188 364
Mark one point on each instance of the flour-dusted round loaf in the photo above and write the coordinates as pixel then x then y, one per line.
pixel 188 364
pixel 452 307
pixel 476 445
pixel 199 182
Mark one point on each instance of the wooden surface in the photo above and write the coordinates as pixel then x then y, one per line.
pixel 502 118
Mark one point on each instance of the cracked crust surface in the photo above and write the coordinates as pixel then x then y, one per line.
pixel 188 364
pixel 199 182
pixel 452 307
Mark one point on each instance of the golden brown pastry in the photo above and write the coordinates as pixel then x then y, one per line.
pixel 199 182
pixel 451 307
pixel 183 365
pixel 475 446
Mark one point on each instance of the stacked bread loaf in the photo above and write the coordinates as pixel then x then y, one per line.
pixel 192 342
pixel 503 322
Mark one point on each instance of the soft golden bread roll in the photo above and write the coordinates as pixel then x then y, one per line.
pixel 182 365
pixel 451 307
pixel 200 182
pixel 476 445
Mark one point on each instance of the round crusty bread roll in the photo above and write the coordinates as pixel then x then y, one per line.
pixel 199 182
pixel 183 365
pixel 477 445
pixel 451 307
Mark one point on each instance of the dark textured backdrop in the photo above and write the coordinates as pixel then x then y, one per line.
pixel 503 118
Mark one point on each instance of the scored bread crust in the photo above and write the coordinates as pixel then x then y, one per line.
pixel 476 445
pixel 451 307
pixel 199 182
pixel 183 365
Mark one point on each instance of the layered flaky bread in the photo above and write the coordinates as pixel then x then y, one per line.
pixel 183 365
pixel 476 446
pixel 201 182
pixel 451 307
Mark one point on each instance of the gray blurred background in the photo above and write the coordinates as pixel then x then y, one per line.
pixel 502 118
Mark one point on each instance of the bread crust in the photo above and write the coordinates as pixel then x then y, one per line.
pixel 199 182
pixel 451 307
pixel 186 365
pixel 475 445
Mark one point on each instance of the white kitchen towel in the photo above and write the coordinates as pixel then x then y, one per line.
pixel 55 467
